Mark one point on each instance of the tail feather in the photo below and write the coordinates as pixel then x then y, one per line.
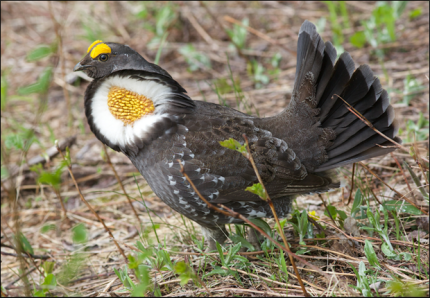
pixel 342 73
pixel 351 124
pixel 359 137
pixel 326 68
pixel 310 52
pixel 321 129
pixel 357 88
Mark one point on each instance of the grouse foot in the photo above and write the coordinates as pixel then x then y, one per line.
pixel 213 235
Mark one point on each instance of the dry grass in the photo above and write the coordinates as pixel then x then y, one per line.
pixel 30 208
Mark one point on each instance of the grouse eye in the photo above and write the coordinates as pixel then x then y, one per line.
pixel 103 57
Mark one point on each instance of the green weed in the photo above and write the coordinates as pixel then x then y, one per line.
pixel 195 59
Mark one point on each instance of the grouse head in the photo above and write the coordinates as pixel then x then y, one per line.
pixel 130 102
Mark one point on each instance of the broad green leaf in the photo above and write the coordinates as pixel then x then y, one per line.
pixel 257 189
pixel 415 13
pixel 245 243
pixel 140 246
pixel 79 233
pixel 358 39
pixel 26 246
pixel 342 214
pixel 370 254
pixel 4 86
pixel 48 267
pixel 387 250
pixel 416 179
pixel 220 252
pixel 262 225
pixel 46 228
pixel 50 282
pixel 40 86
pixel 39 53
pixel 219 271
pixel 401 207
pixel 332 210
pixel 234 145
pixel 357 202
pixel 362 269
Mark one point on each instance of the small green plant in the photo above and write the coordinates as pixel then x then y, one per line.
pixel 302 227
pixel 371 255
pixel 72 266
pixel 419 129
pixel 411 88
pixel 49 281
pixel 336 214
pixel 415 13
pixel 280 261
pixel 164 18
pixel 238 34
pixel 257 73
pixel 232 259
pixel 380 27
pixel 21 139
pixel 195 59
pixel 267 245
pixel 52 178
pixel 335 9
pixel 399 288
pixel 4 89
pixel 185 273
pixel 363 285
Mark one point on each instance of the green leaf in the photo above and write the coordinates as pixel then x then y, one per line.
pixel 257 189
pixel 332 210
pixel 388 251
pixel 38 53
pixel 40 86
pixel 25 244
pixel 358 39
pixel 14 141
pixel 140 246
pixel 39 293
pixel 219 271
pixel 416 179
pixel 79 234
pixel 362 269
pixel 262 225
pixel 357 202
pixel 282 264
pixel 185 273
pixel 220 252
pixel 238 34
pixel 48 267
pixel 4 86
pixel 194 58
pixel 342 214
pixel 4 172
pixel 415 13
pixel 50 282
pixel 239 239
pixel 401 207
pixel 406 256
pixel 234 145
pixel 370 254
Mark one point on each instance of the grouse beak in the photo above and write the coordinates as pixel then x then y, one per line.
pixel 79 67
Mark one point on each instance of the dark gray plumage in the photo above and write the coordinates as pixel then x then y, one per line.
pixel 293 150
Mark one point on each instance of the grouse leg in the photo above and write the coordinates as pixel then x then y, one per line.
pixel 213 235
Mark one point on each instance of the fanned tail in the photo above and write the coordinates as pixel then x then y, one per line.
pixel 341 137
